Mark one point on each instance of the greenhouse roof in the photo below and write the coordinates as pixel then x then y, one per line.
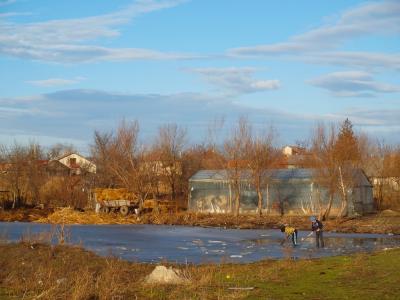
pixel 278 174
pixel 274 174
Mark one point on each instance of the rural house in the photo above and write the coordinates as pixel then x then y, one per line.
pixel 76 163
pixel 287 191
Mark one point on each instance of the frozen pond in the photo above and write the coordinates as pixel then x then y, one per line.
pixel 152 243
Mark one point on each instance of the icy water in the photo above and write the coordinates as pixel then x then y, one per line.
pixel 153 243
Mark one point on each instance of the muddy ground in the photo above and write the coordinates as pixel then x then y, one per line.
pixel 384 222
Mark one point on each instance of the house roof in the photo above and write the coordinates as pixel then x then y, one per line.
pixel 68 154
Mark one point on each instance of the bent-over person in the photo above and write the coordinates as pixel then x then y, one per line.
pixel 316 226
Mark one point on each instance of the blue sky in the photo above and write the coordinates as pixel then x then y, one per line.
pixel 68 68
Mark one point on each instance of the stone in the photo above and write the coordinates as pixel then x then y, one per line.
pixel 164 275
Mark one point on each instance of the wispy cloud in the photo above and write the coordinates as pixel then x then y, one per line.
pixel 380 123
pixel 318 45
pixel 14 14
pixel 74 114
pixel 370 18
pixel 7 2
pixel 66 41
pixel 53 82
pixel 356 59
pixel 236 80
pixel 353 84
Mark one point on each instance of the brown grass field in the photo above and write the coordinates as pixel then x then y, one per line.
pixel 36 271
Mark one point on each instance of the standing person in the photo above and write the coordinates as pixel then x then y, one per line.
pixel 316 226
pixel 290 232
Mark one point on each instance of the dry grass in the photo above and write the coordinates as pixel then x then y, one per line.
pixel 23 215
pixel 71 216
pixel 385 222
pixel 63 272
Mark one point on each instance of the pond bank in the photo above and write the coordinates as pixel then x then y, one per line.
pixel 384 222
pixel 34 270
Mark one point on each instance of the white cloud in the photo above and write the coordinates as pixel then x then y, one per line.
pixel 66 40
pixel 318 45
pixel 356 59
pixel 353 84
pixel 52 82
pixel 370 18
pixel 236 80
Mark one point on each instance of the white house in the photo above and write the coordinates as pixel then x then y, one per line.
pixel 76 163
pixel 293 150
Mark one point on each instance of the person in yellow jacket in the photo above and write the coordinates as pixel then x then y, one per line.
pixel 290 232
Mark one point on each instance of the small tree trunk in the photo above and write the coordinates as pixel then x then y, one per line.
pixel 260 201
pixel 14 201
pixel 380 197
pixel 343 211
pixel 267 204
pixel 237 202
pixel 327 211
pixel 230 199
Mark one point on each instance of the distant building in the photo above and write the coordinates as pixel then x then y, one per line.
pixel 289 191
pixel 76 163
pixel 293 150
pixel 294 157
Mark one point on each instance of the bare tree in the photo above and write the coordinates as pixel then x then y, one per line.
pixel 119 157
pixel 388 180
pixel 326 175
pixel 261 154
pixel 34 165
pixel 23 172
pixel 336 155
pixel 170 145
pixel 348 157
pixel 13 170
pixel 235 152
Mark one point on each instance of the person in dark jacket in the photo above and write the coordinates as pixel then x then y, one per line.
pixel 316 227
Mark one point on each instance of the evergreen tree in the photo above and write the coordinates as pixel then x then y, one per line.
pixel 346 149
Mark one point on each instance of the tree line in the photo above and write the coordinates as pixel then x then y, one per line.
pixel 161 169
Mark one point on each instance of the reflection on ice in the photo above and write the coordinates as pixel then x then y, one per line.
pixel 217 251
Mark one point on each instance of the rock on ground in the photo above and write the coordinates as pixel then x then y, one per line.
pixel 161 274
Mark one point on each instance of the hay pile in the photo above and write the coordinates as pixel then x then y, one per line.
pixel 113 194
